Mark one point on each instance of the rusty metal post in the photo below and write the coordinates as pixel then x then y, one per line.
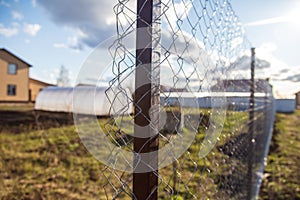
pixel 251 125
pixel 146 100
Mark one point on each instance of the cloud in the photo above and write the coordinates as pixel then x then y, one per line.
pixel 292 16
pixel 48 75
pixel 183 45
pixel 284 78
pixel 34 3
pixel 72 43
pixel 60 45
pixel 176 11
pixel 17 15
pixel 92 27
pixel 4 3
pixel 96 26
pixel 267 52
pixel 269 21
pixel 285 89
pixel 291 74
pixel 32 29
pixel 284 71
pixel 92 18
pixel 294 78
pixel 244 63
pixel 9 31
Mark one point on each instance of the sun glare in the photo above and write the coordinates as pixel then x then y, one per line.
pixel 294 15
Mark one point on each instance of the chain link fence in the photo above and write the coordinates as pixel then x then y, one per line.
pixel 188 119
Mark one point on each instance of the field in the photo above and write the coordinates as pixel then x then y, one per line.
pixel 282 177
pixel 44 161
pixel 42 157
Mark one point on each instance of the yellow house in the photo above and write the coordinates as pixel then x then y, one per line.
pixel 35 86
pixel 14 78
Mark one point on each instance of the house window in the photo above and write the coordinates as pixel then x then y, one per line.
pixel 11 90
pixel 12 68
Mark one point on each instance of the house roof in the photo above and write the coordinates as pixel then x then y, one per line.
pixel 35 80
pixel 5 50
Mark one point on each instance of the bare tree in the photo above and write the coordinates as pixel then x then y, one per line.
pixel 63 77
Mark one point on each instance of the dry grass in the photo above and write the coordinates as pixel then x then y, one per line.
pixel 45 159
pixel 282 177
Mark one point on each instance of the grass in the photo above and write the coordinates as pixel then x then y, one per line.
pixel 48 164
pixel 282 178
pixel 44 158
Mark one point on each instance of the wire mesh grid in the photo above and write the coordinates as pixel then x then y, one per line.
pixel 192 59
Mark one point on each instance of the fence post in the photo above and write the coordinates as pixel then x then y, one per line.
pixel 251 124
pixel 146 100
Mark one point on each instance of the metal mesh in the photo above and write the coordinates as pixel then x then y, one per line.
pixel 197 78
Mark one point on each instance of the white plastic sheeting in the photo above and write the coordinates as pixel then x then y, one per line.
pixel 88 100
pixel 55 99
pixel 233 100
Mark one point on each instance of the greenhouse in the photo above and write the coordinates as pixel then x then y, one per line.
pixel 90 100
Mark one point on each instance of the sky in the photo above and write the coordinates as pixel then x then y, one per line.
pixel 49 34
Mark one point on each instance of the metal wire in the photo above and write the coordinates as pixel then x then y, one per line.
pixel 201 49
